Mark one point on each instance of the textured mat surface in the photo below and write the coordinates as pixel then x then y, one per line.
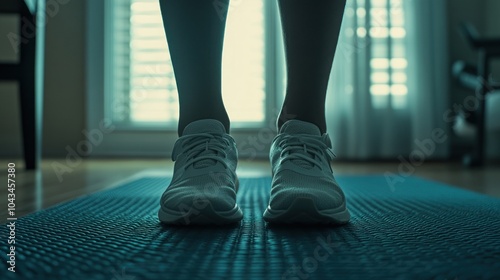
pixel 417 230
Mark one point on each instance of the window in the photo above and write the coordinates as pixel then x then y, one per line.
pixel 144 92
pixel 130 80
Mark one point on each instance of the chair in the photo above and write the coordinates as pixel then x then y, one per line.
pixel 28 72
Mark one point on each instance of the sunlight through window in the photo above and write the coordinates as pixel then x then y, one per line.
pixel 144 77
pixel 386 32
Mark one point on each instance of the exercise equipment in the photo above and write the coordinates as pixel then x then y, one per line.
pixel 476 78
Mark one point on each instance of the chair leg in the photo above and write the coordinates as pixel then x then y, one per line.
pixel 27 90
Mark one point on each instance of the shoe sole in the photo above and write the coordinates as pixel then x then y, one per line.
pixel 205 216
pixel 303 210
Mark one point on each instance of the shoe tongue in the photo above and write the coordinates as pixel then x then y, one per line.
pixel 300 127
pixel 294 127
pixel 204 126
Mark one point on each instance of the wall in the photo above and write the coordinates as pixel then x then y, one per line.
pixel 64 83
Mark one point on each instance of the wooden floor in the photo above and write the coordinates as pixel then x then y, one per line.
pixel 59 181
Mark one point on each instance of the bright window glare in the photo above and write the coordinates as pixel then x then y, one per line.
pixel 243 78
pixel 153 91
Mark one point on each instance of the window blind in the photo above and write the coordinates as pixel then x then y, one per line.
pixel 144 91
pixel 382 23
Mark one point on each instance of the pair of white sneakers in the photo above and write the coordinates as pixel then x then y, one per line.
pixel 204 184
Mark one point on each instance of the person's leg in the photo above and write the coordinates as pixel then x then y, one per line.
pixel 303 189
pixel 195 34
pixel 204 183
pixel 311 30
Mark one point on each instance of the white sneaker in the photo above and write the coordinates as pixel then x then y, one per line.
pixel 204 184
pixel 303 187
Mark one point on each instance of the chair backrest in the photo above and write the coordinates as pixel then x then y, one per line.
pixel 491 46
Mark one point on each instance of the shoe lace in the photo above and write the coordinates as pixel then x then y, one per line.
pixel 306 150
pixel 202 150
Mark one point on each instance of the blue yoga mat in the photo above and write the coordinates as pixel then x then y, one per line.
pixel 415 229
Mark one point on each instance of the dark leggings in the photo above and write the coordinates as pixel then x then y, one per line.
pixel 195 35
